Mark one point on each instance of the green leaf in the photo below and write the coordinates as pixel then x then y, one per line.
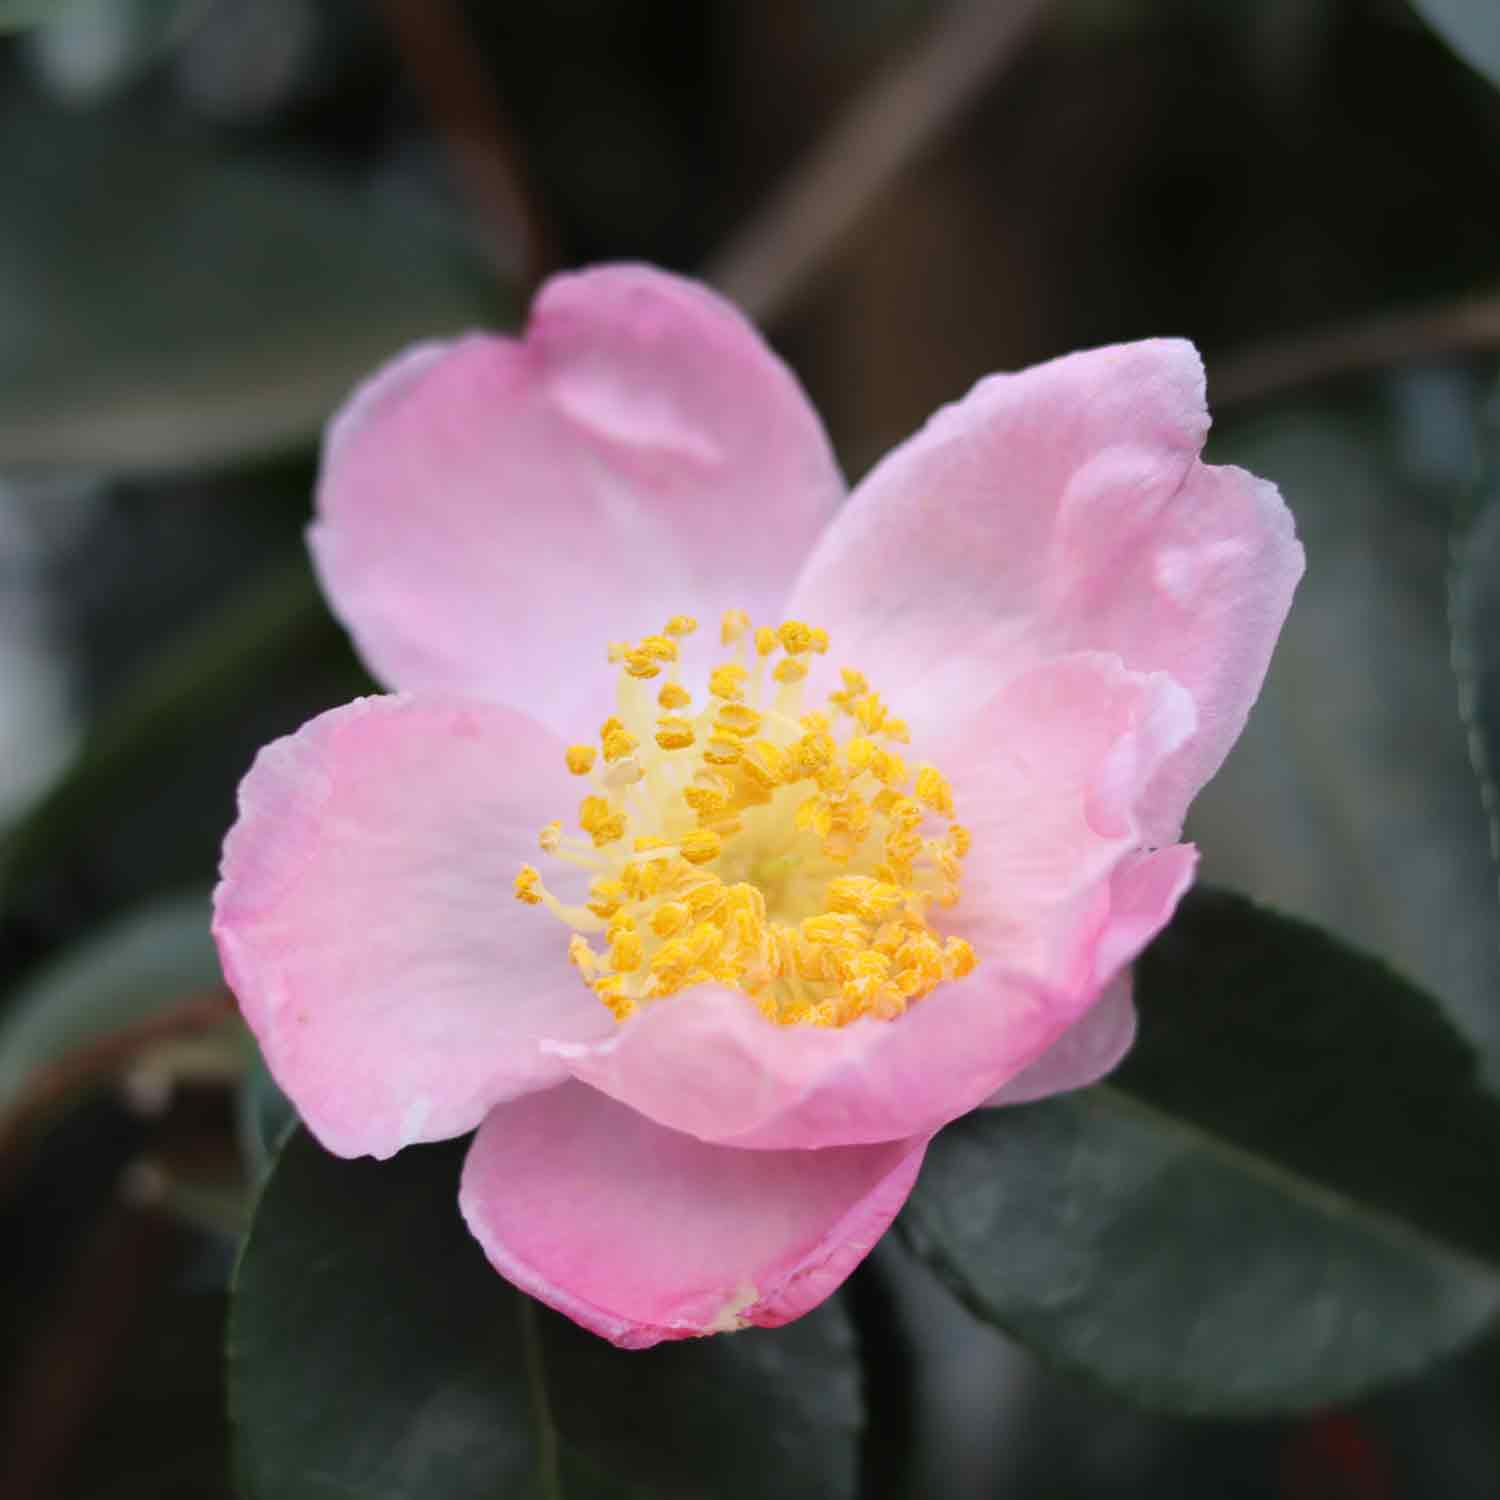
pixel 1287 1195
pixel 1470 27
pixel 264 1117
pixel 143 965
pixel 373 1352
pixel 1350 797
pixel 224 317
pixel 1474 614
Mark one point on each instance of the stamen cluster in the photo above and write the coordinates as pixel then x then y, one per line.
pixel 789 854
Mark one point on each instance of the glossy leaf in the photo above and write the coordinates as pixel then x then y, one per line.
pixel 374 1352
pixel 1350 798
pixel 1470 27
pixel 238 303
pixel 1286 1196
pixel 143 965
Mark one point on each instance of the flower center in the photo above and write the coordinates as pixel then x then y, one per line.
pixel 790 854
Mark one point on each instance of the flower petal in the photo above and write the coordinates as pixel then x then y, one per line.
pixel 1057 510
pixel 642 1234
pixel 1050 777
pixel 366 921
pixel 493 511
pixel 1090 1048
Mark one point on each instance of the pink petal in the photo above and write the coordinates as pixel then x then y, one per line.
pixel 1057 900
pixel 1050 777
pixel 1090 1048
pixel 1057 510
pixel 642 1234
pixel 492 512
pixel 366 921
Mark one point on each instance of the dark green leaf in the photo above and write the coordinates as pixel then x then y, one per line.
pixel 1470 27
pixel 237 304
pixel 1288 1194
pixel 140 966
pixel 373 1352
pixel 264 1117
pixel 1350 799
pixel 1474 613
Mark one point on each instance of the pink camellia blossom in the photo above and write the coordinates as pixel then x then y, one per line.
pixel 873 802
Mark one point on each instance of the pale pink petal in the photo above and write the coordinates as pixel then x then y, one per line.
pixel 708 1063
pixel 1091 1047
pixel 492 512
pixel 367 924
pixel 1057 510
pixel 642 1234
pixel 1057 900
pixel 1049 777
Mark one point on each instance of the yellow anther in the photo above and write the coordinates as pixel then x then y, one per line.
pixel 680 625
pixel 960 840
pixel 728 681
pixel 582 956
pixel 732 625
pixel 796 638
pixel 601 821
pixel 788 671
pixel 670 918
pixel 529 885
pixel 819 639
pixel 616 650
pixel 860 753
pixel 722 751
pixel 933 789
pixel 708 795
pixel 673 695
pixel 550 837
pixel 738 720
pixel 626 952
pixel 640 663
pixel 581 759
pixel 765 640
pixel 896 729
pixel 674 733
pixel 700 846
pixel 605 897
pixel 659 647
pixel 869 711
pixel 618 742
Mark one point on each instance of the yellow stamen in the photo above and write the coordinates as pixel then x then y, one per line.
pixel 784 852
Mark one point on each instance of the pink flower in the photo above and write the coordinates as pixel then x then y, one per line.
pixel 790 947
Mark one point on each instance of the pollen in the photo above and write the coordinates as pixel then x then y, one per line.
pixel 761 843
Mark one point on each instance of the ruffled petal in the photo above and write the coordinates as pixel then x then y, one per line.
pixel 642 1234
pixel 1050 778
pixel 493 511
pixel 1057 900
pixel 366 919
pixel 1058 510
pixel 1090 1048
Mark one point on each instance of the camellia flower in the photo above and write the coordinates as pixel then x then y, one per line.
pixel 724 839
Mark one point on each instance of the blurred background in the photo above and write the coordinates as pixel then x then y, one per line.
pixel 216 215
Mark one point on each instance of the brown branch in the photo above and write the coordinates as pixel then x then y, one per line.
pixel 773 259
pixel 446 70
pixel 103 1056
pixel 1396 338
